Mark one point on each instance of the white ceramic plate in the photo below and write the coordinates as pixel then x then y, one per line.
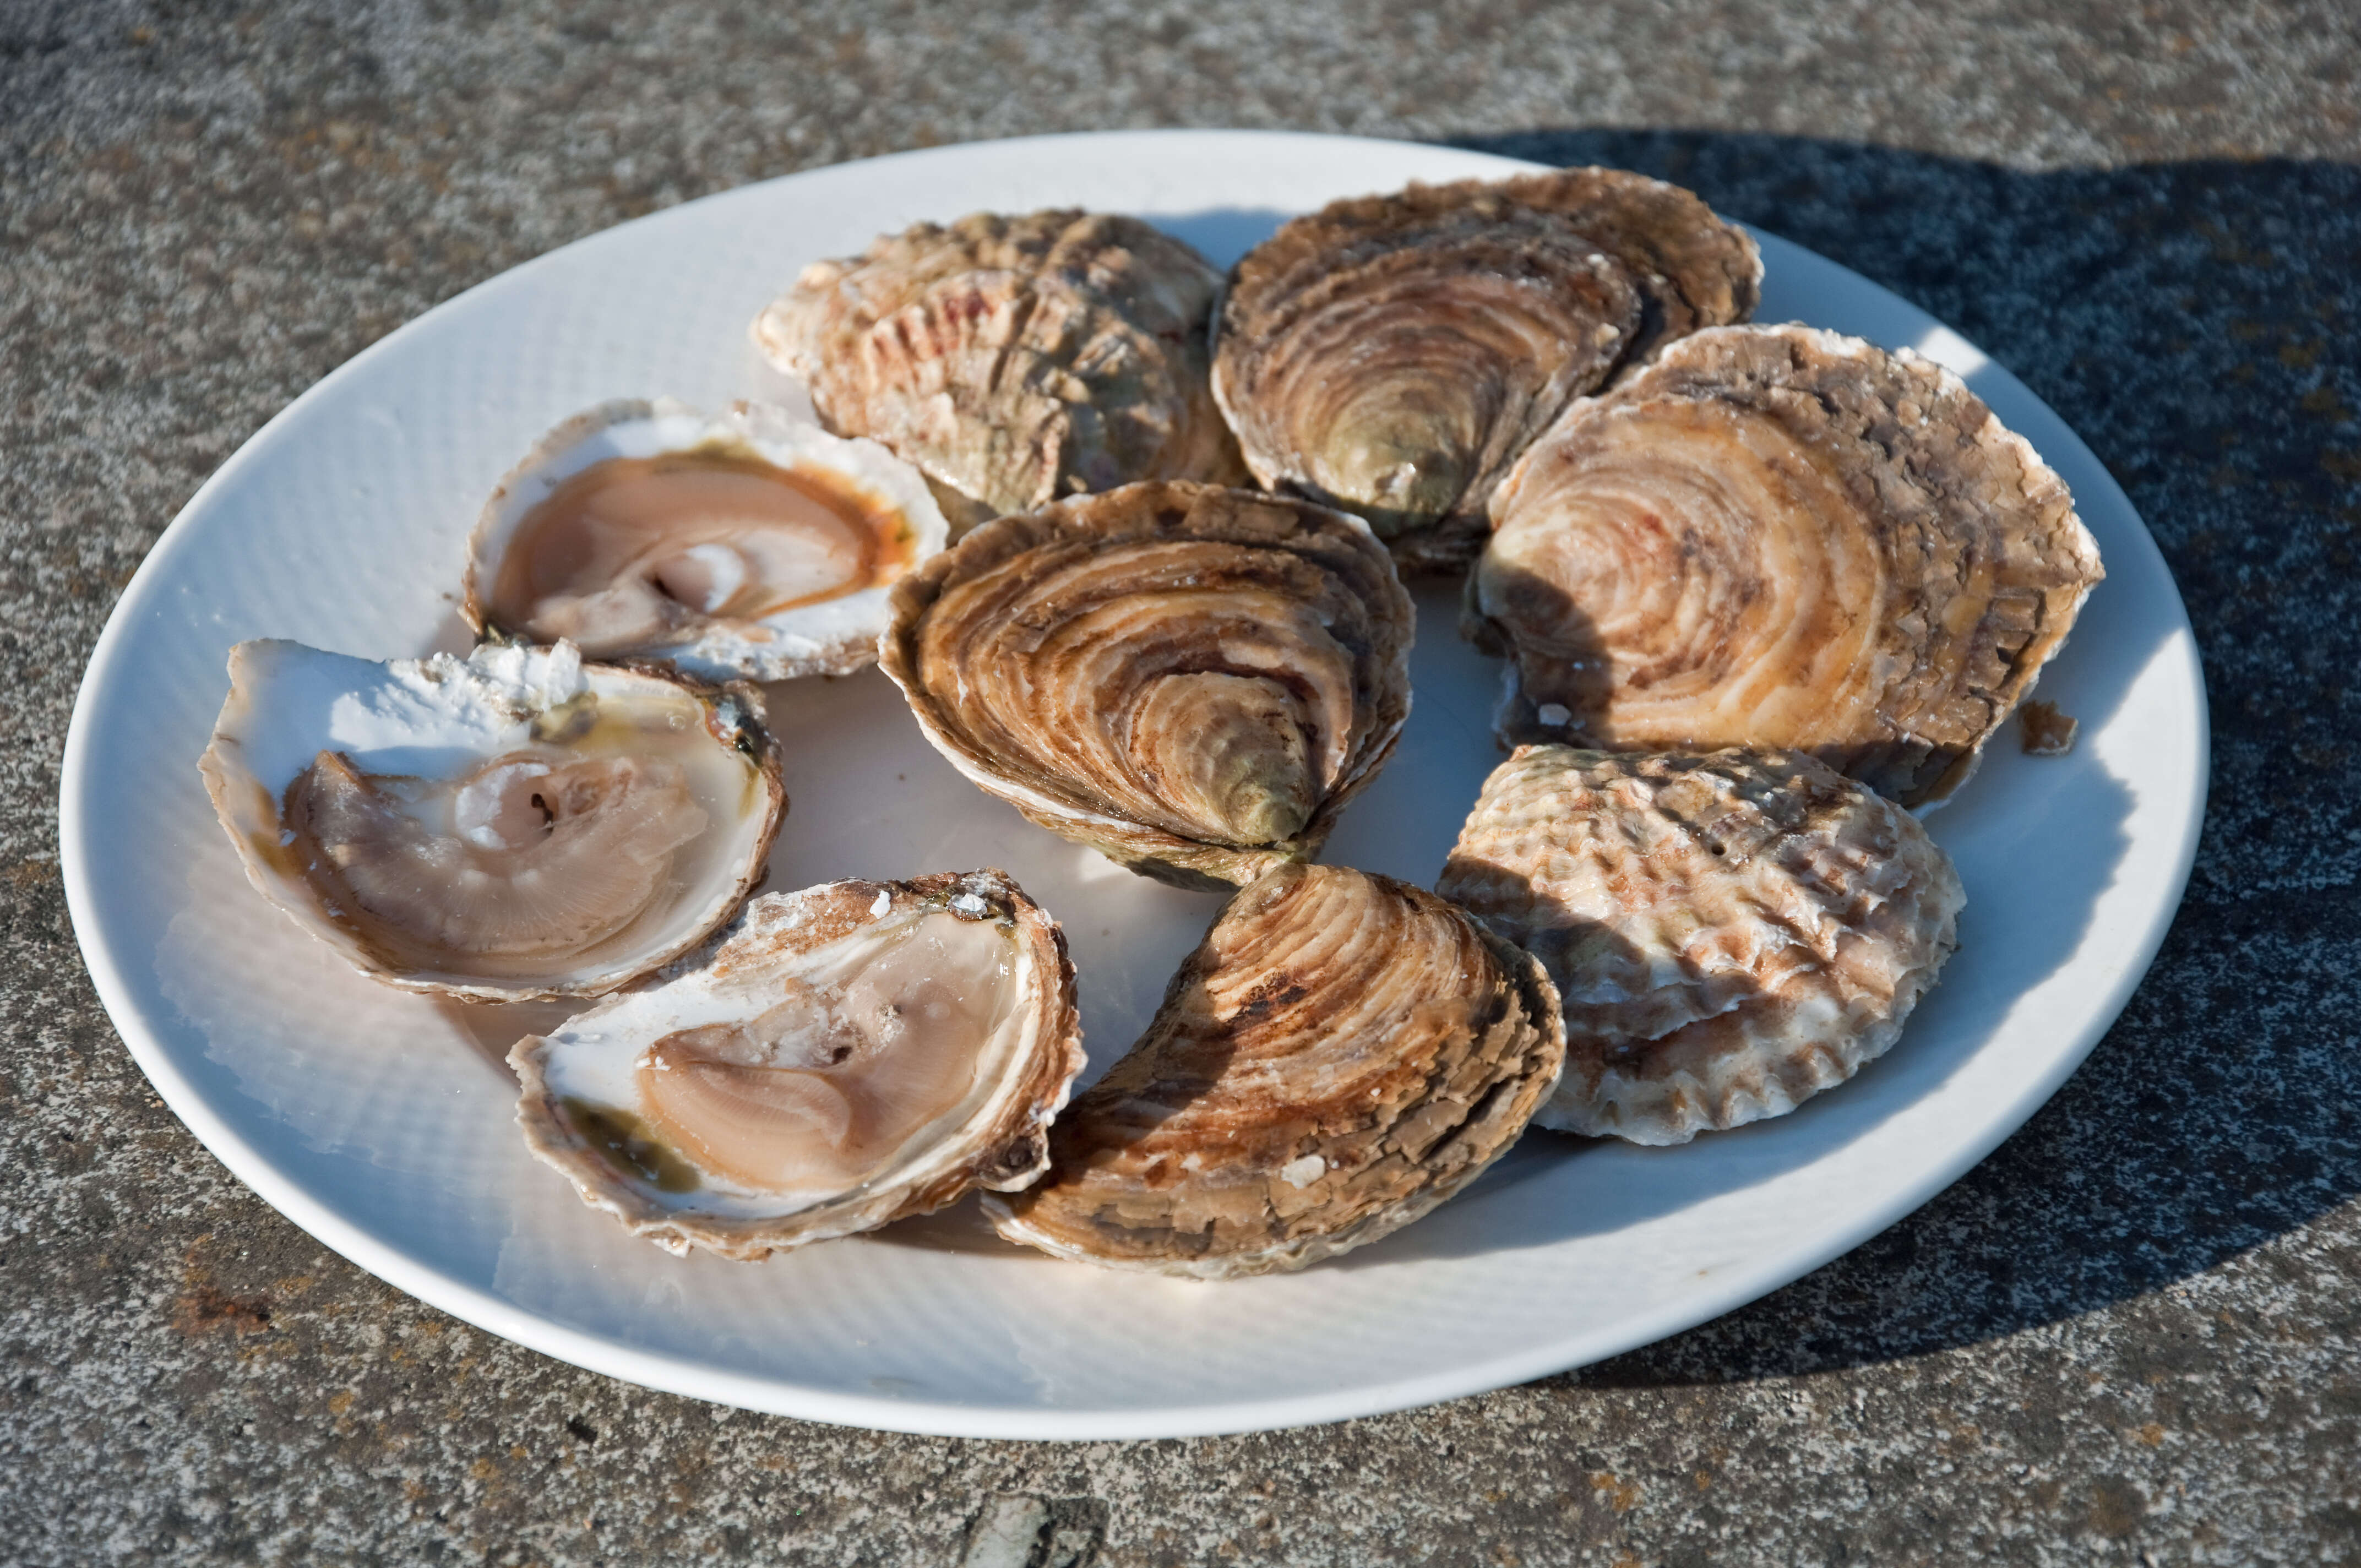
pixel 382 1123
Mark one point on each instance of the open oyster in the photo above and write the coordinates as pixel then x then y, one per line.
pixel 1778 536
pixel 511 826
pixel 1192 680
pixel 839 1058
pixel 1340 1054
pixel 1392 354
pixel 1014 359
pixel 1729 933
pixel 747 544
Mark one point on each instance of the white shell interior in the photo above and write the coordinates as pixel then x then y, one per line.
pixel 794 640
pixel 596 1056
pixel 441 716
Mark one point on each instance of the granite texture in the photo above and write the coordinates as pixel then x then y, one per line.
pixel 2133 1335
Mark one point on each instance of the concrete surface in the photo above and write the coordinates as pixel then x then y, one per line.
pixel 2130 1336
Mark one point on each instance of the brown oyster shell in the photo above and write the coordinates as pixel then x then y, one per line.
pixel 1340 1054
pixel 1392 354
pixel 1002 1144
pixel 1190 679
pixel 1729 934
pixel 1014 359
pixel 1780 537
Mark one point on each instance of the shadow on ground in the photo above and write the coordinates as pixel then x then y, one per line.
pixel 2199 325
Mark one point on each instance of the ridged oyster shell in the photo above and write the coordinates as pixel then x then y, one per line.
pixel 839 1058
pixel 516 825
pixel 1015 359
pixel 1192 680
pixel 1779 536
pixel 1393 355
pixel 1340 1054
pixel 1729 933
pixel 745 544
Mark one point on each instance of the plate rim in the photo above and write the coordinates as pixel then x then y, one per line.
pixel 693 1379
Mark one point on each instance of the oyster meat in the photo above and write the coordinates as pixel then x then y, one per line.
pixel 1729 933
pixel 1014 359
pixel 1340 1054
pixel 839 1058
pixel 1393 355
pixel 1780 537
pixel 748 544
pixel 512 826
pixel 1190 679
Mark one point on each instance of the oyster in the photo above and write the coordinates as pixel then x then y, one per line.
pixel 1192 680
pixel 748 544
pixel 1340 1054
pixel 1780 537
pixel 1392 354
pixel 839 1058
pixel 1014 359
pixel 1729 934
pixel 512 826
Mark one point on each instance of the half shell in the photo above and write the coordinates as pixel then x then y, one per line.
pixel 842 1056
pixel 1775 537
pixel 1729 934
pixel 746 544
pixel 511 826
pixel 1340 1055
pixel 1189 679
pixel 1393 355
pixel 1014 359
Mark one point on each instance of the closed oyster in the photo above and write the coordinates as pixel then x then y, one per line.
pixel 748 544
pixel 1778 536
pixel 1729 934
pixel 512 826
pixel 1340 1054
pixel 1393 355
pixel 1014 359
pixel 840 1057
pixel 1189 679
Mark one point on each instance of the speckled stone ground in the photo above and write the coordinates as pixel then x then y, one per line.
pixel 2133 1335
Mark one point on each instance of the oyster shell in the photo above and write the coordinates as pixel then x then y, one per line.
pixel 839 1058
pixel 1189 679
pixel 512 826
pixel 1340 1054
pixel 1729 934
pixel 1393 355
pixel 1014 359
pixel 745 544
pixel 1778 536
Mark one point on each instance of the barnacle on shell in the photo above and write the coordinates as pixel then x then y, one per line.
pixel 1392 354
pixel 1729 933
pixel 1192 679
pixel 1340 1054
pixel 1780 537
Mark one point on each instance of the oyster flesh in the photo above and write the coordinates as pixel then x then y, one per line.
pixel 1014 359
pixel 839 1058
pixel 1392 354
pixel 1192 680
pixel 1340 1054
pixel 1780 537
pixel 1729 933
pixel 748 544
pixel 513 826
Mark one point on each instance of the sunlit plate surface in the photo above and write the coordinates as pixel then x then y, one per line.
pixel 383 1123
